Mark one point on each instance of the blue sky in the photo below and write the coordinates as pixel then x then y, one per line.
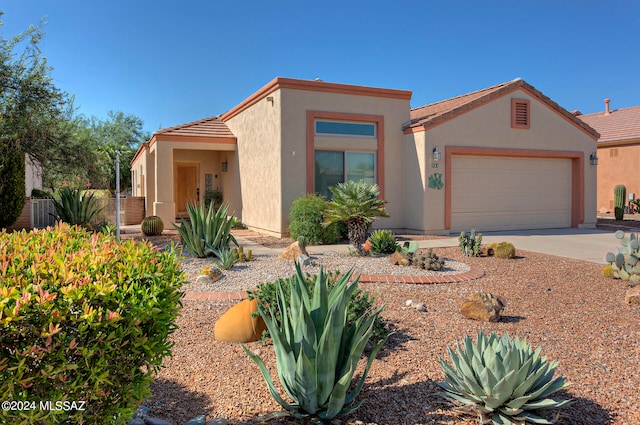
pixel 172 62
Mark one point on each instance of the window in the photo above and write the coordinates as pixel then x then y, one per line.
pixel 613 153
pixel 345 128
pixel 520 114
pixel 333 167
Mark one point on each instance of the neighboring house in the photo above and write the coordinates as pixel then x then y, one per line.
pixel 618 151
pixel 506 157
pixel 33 176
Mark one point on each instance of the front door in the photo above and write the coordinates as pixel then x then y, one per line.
pixel 186 187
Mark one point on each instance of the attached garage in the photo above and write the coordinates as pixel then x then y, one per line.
pixel 507 193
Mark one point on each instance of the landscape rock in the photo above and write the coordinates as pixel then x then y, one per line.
pixel 399 259
pixel 482 306
pixel 633 296
pixel 409 303
pixel 198 420
pixel 156 421
pixel 419 307
pixel 603 210
pixel 238 325
pixel 204 279
pixel 293 251
pixel 304 260
pixel 218 421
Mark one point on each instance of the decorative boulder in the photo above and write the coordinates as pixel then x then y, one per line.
pixel 633 295
pixel 482 306
pixel 293 251
pixel 237 325
pixel 399 259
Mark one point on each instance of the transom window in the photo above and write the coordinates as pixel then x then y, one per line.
pixel 333 167
pixel 341 128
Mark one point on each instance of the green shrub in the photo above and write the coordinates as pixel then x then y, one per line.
pixel 317 348
pixel 383 242
pixel 470 244
pixel 207 231
pixel 306 218
pixel 40 194
pixel 214 196
pixel 360 304
pixel 12 184
pixel 76 207
pixel 501 380
pixel 83 317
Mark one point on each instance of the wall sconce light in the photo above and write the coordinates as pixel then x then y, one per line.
pixel 270 99
pixel 593 158
pixel 436 154
pixel 225 166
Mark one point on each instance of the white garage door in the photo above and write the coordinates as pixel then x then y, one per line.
pixel 506 193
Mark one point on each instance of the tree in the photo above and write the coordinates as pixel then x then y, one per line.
pixel 31 112
pixel 357 204
pixel 12 184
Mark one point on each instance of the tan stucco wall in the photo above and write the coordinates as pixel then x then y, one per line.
pixel 254 170
pixel 296 103
pixel 617 165
pixel 490 126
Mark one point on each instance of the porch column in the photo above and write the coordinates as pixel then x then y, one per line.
pixel 164 205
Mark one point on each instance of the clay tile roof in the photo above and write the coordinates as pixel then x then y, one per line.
pixel 619 125
pixel 444 110
pixel 207 127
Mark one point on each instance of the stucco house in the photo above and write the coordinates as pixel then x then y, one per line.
pixel 618 151
pixel 505 157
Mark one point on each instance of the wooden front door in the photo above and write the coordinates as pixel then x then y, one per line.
pixel 186 187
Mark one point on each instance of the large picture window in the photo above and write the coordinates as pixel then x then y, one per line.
pixel 333 167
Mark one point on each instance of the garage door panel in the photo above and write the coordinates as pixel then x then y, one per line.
pixel 499 193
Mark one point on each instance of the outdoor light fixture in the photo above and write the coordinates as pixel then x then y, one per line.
pixel 225 166
pixel 593 158
pixel 436 154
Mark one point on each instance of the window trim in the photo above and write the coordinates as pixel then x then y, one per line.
pixel 516 113
pixel 312 116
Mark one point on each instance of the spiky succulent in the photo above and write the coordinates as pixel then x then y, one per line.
pixel 317 351
pixel 502 380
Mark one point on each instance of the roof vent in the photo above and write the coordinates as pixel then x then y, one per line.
pixel 317 79
pixel 607 109
pixel 520 113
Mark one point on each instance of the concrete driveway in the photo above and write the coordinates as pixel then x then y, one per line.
pixel 583 244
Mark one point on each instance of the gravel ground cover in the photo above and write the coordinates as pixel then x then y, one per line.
pixel 564 305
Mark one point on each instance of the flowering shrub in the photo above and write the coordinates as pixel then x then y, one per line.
pixel 84 318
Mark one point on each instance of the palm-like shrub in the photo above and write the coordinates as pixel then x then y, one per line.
pixel 501 380
pixel 207 231
pixel 317 351
pixel 76 207
pixel 357 204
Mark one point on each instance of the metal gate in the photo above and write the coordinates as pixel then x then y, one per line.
pixel 43 213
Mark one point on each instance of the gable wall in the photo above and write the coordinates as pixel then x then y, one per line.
pixel 489 125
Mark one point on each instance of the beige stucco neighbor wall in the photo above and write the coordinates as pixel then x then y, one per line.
pixel 254 169
pixel 613 165
pixel 490 126
pixel 296 103
pixel 33 176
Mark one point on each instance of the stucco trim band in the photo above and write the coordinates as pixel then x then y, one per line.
pixel 577 174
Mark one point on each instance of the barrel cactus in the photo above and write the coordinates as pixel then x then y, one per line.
pixel 502 380
pixel 619 198
pixel 152 225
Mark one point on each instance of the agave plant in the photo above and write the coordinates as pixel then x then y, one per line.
pixel 317 351
pixel 502 380
pixel 206 231
pixel 76 207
